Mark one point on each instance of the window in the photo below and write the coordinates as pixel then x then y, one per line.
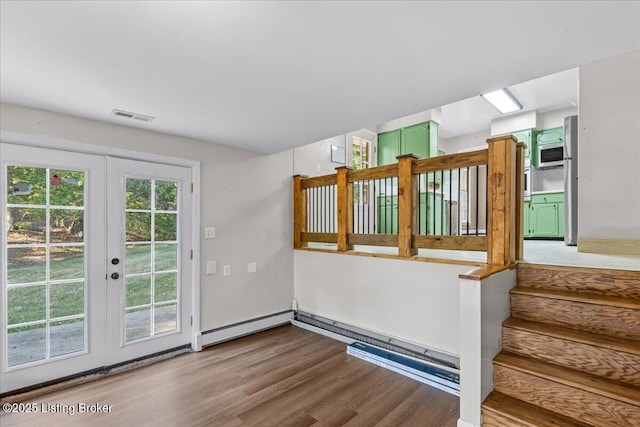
pixel 360 153
pixel 360 159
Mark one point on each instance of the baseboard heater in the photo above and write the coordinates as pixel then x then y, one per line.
pixel 353 334
pixel 427 374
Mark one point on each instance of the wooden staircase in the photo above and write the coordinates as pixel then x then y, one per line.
pixel 570 351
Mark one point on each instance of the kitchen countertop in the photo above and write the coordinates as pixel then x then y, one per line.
pixel 547 192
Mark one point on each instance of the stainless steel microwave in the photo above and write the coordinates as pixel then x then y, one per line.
pixel 550 155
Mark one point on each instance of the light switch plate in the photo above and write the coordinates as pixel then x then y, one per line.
pixel 226 270
pixel 252 267
pixel 212 266
pixel 209 232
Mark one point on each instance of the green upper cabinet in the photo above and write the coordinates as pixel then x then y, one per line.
pixel 415 140
pixel 388 147
pixel 527 136
pixel 420 139
pixel 550 136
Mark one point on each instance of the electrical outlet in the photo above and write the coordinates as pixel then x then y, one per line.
pixel 317 167
pixel 209 232
pixel 226 270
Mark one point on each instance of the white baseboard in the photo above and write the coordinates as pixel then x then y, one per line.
pixel 249 327
pixel 463 423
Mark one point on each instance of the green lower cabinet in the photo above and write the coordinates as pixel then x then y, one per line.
pixel 546 216
pixel 527 226
pixel 387 207
pixel 544 220
pixel 430 215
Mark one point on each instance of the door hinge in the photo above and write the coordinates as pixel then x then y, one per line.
pixel 191 320
pixel 192 187
pixel 191 253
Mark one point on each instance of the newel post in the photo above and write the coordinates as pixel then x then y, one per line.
pixel 345 208
pixel 407 206
pixel 299 211
pixel 501 200
pixel 520 149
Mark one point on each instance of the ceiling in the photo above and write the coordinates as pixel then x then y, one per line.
pixel 267 76
pixel 548 93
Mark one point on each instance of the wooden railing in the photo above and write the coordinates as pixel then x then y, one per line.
pixel 417 189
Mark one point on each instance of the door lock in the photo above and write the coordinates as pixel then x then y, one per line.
pixel 115 276
pixel 115 261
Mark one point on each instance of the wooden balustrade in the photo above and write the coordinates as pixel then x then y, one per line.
pixel 504 162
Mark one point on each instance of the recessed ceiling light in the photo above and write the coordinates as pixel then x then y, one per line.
pixel 135 116
pixel 503 101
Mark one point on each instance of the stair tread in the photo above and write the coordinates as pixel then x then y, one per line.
pixel 583 297
pixel 599 340
pixel 527 413
pixel 594 384
pixel 622 273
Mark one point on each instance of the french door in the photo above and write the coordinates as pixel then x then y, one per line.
pixel 94 263
pixel 149 246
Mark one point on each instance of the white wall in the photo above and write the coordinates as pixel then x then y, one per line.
pixel 609 148
pixel 315 159
pixel 555 118
pixel 245 195
pixel 413 119
pixel 414 301
pixel 484 305
pixel 513 123
pixel 476 139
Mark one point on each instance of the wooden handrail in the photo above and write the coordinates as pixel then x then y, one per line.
pixel 504 159
pixel 319 181
pixel 387 171
pixel 451 161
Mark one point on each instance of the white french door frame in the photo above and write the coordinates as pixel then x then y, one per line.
pixel 56 143
pixel 92 354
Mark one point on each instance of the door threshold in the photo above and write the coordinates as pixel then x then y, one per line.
pixel 27 393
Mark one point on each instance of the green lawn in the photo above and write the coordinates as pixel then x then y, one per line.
pixel 28 303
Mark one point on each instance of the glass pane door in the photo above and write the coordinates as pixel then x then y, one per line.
pixel 46 279
pixel 149 229
pixel 151 264
pixel 45 263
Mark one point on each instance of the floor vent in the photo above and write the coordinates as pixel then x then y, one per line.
pixel 386 343
pixel 133 116
pixel 409 367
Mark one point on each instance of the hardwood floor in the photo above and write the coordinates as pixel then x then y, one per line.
pixel 283 377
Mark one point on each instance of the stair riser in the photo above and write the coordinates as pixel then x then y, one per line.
pixel 491 419
pixel 604 362
pixel 605 282
pixel 579 404
pixel 600 319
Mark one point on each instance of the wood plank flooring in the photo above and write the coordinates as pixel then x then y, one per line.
pixel 282 377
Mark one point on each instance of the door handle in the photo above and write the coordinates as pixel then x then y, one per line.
pixel 115 276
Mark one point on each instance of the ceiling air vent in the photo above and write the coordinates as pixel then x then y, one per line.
pixel 134 116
